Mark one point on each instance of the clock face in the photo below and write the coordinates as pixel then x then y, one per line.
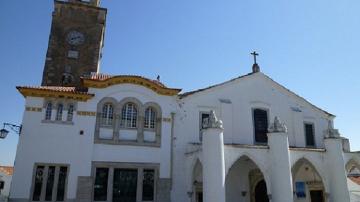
pixel 75 38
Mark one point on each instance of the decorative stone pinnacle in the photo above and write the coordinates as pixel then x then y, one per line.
pixel 277 126
pixel 331 132
pixel 212 121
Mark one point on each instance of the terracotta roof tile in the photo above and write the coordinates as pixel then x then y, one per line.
pixel 56 89
pixel 355 179
pixel 8 170
pixel 103 77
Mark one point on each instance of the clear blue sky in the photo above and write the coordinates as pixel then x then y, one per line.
pixel 311 47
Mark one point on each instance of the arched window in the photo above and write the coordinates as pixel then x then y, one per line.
pixel 150 116
pixel 48 111
pixel 70 113
pixel 107 114
pixel 129 116
pixel 59 112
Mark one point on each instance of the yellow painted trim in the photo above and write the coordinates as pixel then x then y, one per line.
pixel 86 113
pixel 33 109
pixel 47 93
pixel 131 80
pixel 167 119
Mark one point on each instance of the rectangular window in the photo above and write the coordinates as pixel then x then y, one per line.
pixel 148 185
pixel 45 177
pixel 204 119
pixel 260 125
pixel 101 183
pixel 309 134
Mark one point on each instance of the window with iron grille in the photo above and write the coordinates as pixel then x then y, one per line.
pixel 49 182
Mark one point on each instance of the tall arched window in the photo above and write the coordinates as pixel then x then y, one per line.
pixel 107 114
pixel 70 112
pixel 129 116
pixel 59 112
pixel 150 116
pixel 48 111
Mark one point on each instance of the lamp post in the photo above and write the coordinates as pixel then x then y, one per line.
pixel 13 127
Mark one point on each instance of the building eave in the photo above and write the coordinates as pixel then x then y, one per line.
pixel 130 79
pixel 54 92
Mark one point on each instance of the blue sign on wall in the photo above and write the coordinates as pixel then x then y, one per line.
pixel 300 189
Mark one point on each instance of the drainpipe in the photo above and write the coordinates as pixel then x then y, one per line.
pixel 172 149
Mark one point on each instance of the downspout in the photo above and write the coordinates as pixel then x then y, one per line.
pixel 172 149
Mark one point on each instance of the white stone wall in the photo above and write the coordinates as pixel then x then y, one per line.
pixel 7 180
pixel 255 91
pixel 61 143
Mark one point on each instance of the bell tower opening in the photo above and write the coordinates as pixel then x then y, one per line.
pixel 76 40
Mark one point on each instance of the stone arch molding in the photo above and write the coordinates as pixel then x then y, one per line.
pixel 314 166
pixel 260 163
pixel 354 161
pixel 117 106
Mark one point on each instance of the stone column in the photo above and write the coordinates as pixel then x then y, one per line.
pixel 280 175
pixel 213 160
pixel 335 166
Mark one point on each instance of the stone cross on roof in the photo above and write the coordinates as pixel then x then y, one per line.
pixel 255 67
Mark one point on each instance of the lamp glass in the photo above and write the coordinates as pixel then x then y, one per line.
pixel 3 133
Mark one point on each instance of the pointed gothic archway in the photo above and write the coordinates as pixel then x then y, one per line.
pixel 197 182
pixel 245 182
pixel 307 182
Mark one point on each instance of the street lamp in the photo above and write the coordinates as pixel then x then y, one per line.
pixel 13 127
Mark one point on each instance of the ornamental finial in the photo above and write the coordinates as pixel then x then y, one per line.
pixel 277 126
pixel 212 121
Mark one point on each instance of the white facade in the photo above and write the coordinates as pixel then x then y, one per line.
pixel 277 168
pixel 6 179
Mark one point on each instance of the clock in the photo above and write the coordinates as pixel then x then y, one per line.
pixel 75 38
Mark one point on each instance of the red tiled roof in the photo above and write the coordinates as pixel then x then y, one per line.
pixel 56 89
pixel 355 179
pixel 103 77
pixel 8 170
pixel 56 92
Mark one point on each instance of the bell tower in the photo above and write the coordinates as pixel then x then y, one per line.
pixel 75 42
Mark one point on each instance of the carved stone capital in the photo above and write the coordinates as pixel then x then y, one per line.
pixel 212 121
pixel 277 126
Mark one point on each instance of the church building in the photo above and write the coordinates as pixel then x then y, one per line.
pixel 88 136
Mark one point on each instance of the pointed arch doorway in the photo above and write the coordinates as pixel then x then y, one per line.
pixel 260 192
pixel 245 182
